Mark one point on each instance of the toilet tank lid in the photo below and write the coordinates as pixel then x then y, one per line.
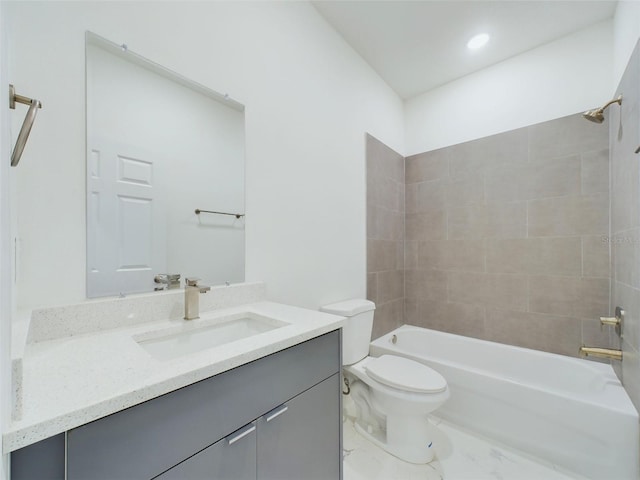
pixel 349 308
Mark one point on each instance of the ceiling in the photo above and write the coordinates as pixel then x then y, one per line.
pixel 418 45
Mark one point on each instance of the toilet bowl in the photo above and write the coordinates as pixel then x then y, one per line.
pixel 392 395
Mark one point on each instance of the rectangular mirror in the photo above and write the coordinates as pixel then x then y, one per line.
pixel 159 147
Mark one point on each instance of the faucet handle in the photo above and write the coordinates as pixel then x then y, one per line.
pixel 609 321
pixel 192 281
pixel 616 321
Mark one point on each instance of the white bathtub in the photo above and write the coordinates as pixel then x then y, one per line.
pixel 572 412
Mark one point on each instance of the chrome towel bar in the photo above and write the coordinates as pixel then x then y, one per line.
pixel 34 105
pixel 237 215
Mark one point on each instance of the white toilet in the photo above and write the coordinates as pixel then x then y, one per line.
pixel 393 395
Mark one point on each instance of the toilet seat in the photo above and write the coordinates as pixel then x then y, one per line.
pixel 405 374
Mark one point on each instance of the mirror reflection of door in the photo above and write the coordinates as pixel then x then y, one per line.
pixel 127 222
pixel 159 147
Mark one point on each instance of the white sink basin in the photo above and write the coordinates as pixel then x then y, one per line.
pixel 190 338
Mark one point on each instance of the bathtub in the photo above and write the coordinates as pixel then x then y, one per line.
pixel 571 412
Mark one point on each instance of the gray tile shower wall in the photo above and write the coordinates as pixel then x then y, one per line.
pixel 624 134
pixel 385 235
pixel 506 236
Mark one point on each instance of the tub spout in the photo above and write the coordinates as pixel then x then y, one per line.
pixel 601 352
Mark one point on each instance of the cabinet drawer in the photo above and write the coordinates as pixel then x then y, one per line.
pixel 232 458
pixel 148 439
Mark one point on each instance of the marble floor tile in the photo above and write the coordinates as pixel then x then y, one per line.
pixel 460 455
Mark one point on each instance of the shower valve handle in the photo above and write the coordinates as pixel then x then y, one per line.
pixel 615 322
pixel 609 321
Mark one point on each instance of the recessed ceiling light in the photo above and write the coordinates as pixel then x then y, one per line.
pixel 478 41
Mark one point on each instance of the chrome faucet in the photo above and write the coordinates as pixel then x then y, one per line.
pixel 192 293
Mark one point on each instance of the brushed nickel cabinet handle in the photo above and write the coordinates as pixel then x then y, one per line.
pixel 276 413
pixel 243 433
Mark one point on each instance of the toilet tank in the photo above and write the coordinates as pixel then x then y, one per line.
pixel 356 332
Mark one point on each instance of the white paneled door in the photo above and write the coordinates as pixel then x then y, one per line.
pixel 126 234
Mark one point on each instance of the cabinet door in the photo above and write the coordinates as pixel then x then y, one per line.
pixel 150 438
pixel 301 438
pixel 44 459
pixel 232 458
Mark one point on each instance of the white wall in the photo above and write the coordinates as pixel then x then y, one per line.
pixel 309 100
pixel 197 144
pixel 626 31
pixel 557 79
pixel 6 288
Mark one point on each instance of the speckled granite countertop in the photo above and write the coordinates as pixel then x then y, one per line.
pixel 73 380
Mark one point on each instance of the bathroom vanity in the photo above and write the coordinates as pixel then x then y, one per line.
pixel 277 417
pixel 265 407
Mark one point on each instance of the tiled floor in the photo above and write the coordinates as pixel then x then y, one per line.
pixel 460 456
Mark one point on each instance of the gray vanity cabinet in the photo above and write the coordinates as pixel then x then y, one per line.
pixel 277 417
pixel 232 458
pixel 298 440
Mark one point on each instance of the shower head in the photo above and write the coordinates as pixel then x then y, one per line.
pixel 597 114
